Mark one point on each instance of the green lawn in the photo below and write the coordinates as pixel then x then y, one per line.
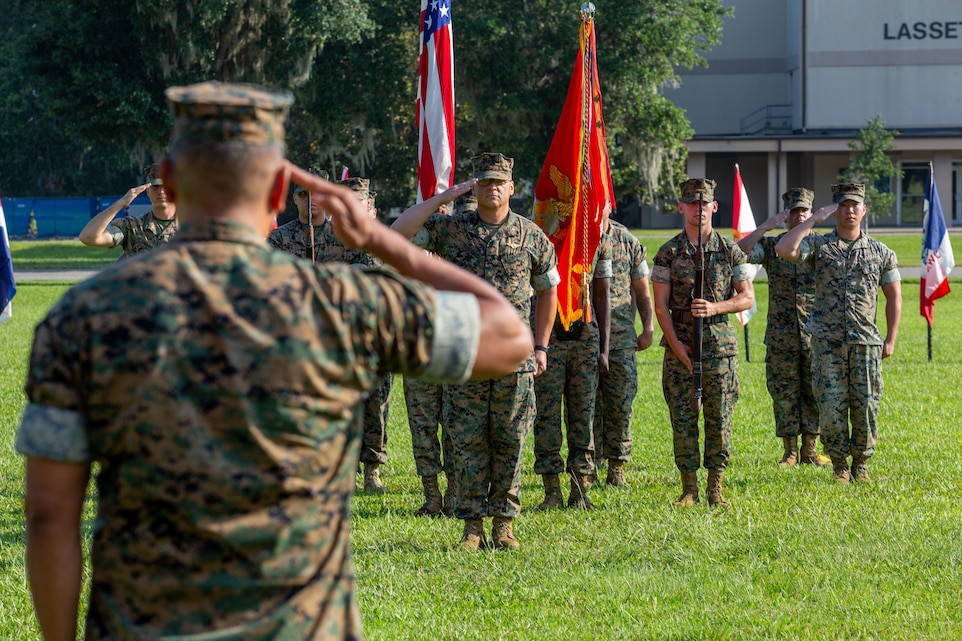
pixel 71 254
pixel 796 557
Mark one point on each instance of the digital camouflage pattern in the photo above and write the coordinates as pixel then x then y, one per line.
pixel 720 393
pixel 628 264
pixel 423 402
pixel 516 257
pixel 292 237
pixel 695 188
pixel 215 111
pixel 214 381
pixel 618 386
pixel 725 264
pixel 848 191
pixel 848 386
pixel 140 233
pixel 492 166
pixel 788 356
pixel 846 344
pixel 847 279
pixel 613 405
pixel 571 378
pixel 489 420
pixel 798 197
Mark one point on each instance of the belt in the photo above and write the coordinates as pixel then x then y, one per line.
pixel 684 316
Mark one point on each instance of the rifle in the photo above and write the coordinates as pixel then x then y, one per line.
pixel 698 324
pixel 310 219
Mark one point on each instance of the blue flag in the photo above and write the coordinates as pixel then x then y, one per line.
pixel 8 286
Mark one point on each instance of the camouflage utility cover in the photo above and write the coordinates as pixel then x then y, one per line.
pixel 489 165
pixel 216 111
pixel 798 197
pixel 695 188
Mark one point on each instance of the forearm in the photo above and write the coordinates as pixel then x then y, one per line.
pixel 94 233
pixel 601 301
pixel 893 312
pixel 642 297
pixel 746 243
pixel 54 570
pixel 412 219
pixel 788 247
pixel 544 316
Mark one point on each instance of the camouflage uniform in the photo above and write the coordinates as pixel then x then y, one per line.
pixel 489 420
pixel 292 237
pixel 140 233
pixel 231 477
pixel 618 386
pixel 423 402
pixel 725 264
pixel 214 382
pixel 572 373
pixel 846 344
pixel 788 356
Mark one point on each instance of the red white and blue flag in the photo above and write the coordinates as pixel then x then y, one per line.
pixel 8 285
pixel 435 100
pixel 743 223
pixel 937 257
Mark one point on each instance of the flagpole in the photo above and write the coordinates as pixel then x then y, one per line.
pixel 748 346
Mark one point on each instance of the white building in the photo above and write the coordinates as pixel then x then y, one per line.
pixel 794 80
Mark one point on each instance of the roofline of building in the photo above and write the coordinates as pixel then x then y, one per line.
pixel 823 141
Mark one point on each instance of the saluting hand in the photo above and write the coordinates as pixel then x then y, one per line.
pixel 822 213
pixel 778 219
pixel 133 192
pixel 353 224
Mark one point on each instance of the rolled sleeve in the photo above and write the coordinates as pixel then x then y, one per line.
pixel 890 276
pixel 116 233
pixel 603 269
pixel 745 271
pixel 661 274
pixel 544 282
pixel 53 433
pixel 457 334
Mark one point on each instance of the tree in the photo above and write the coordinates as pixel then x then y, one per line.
pixel 99 69
pixel 871 166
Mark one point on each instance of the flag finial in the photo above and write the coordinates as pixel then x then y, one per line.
pixel 587 10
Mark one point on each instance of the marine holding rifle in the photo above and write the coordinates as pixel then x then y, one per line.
pixel 700 373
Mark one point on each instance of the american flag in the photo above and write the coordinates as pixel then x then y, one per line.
pixel 435 100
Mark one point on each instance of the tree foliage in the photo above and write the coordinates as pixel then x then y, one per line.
pixel 871 166
pixel 96 70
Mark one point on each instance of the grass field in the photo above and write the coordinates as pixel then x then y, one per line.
pixel 796 557
pixel 71 254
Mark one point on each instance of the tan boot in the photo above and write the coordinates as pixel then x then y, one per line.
pixel 473 536
pixel 860 470
pixel 432 497
pixel 840 471
pixel 578 496
pixel 790 456
pixel 810 455
pixel 553 499
pixel 450 496
pixel 502 535
pixel 372 479
pixel 689 489
pixel 616 473
pixel 714 489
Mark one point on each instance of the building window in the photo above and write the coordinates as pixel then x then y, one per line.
pixel 911 196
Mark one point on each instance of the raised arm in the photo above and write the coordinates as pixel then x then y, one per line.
pixel 94 233
pixel 412 218
pixel 777 220
pixel 789 246
pixel 505 340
